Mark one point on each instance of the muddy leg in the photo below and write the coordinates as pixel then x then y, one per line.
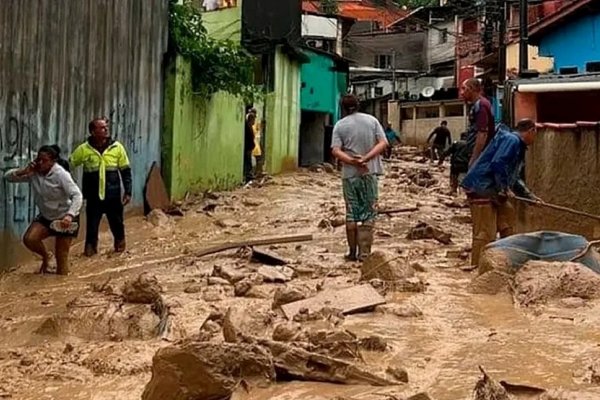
pixel 33 240
pixel 351 236
pixel 484 228
pixel 61 250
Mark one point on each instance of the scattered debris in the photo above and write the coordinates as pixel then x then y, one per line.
pixel 253 243
pixel 288 294
pixel 145 289
pixel 158 218
pixel 488 389
pixel 407 310
pixel 426 231
pixel 422 178
pixel 398 374
pixel 350 300
pixel 228 273
pixel 267 257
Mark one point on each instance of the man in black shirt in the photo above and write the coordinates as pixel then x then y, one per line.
pixel 441 135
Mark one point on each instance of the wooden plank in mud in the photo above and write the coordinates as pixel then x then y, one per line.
pixel 349 300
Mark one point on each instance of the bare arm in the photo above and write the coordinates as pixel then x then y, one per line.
pixel 480 141
pixel 379 148
pixel 343 157
pixel 19 175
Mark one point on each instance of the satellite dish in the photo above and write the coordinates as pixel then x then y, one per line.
pixel 428 91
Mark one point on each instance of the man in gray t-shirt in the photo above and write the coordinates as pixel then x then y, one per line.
pixel 358 141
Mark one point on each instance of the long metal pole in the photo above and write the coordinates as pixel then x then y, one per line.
pixel 524 36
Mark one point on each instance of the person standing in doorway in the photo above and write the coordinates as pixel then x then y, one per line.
pixel 495 178
pixel 358 141
pixel 105 169
pixel 248 145
pixel 58 200
pixel 441 137
pixel 481 118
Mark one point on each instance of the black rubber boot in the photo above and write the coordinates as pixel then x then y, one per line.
pixel 352 238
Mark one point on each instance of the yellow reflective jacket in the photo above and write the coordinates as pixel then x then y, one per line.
pixel 103 172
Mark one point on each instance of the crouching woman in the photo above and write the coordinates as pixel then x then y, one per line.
pixel 58 200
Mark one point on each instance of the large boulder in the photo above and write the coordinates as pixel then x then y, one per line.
pixel 208 371
pixel 386 267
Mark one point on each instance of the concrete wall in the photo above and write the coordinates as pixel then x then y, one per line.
pixel 410 49
pixel 575 43
pixel 438 50
pixel 416 130
pixel 536 61
pixel 563 167
pixel 282 128
pixel 203 138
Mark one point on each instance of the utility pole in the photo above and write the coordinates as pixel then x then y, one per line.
pixel 502 43
pixel 393 74
pixel 524 36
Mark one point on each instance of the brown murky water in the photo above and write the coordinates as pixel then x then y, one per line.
pixel 549 347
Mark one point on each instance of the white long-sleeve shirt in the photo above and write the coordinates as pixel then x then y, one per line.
pixel 56 194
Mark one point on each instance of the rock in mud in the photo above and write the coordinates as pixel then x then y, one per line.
pixel 494 260
pixel 398 373
pixel 573 302
pixel 423 178
pixel 103 318
pixel 259 292
pixel 400 310
pixel 272 275
pixel 288 294
pixel 539 281
pixel 327 167
pixel 145 289
pixel 287 331
pixel 488 389
pixel 491 282
pixel 158 218
pixel 373 343
pixel 193 288
pixel 228 273
pixel 239 322
pixel 202 370
pixel 385 267
pixel 424 230
pixel 215 280
pixel 294 362
pixel 242 287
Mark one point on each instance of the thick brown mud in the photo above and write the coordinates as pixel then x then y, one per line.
pixel 50 351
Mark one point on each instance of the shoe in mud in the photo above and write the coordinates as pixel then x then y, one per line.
pixel 120 246
pixel 90 250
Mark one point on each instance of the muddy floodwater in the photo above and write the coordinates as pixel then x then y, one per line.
pixel 73 338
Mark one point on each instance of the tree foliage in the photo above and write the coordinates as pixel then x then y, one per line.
pixel 217 65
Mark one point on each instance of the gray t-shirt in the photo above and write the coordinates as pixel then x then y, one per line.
pixel 56 194
pixel 356 135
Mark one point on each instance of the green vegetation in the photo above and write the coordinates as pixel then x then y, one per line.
pixel 217 65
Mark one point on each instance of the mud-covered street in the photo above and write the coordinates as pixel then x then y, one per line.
pixel 93 334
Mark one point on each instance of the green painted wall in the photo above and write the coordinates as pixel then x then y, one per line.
pixel 322 87
pixel 202 146
pixel 282 130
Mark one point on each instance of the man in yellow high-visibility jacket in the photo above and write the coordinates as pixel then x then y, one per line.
pixel 105 167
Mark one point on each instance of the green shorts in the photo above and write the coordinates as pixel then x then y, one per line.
pixel 360 194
